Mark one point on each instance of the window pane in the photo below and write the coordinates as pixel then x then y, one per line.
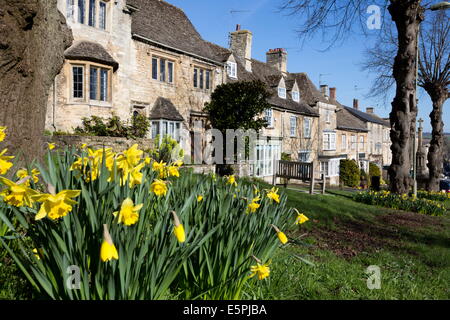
pixel 155 68
pixel 102 16
pixel 104 85
pixel 195 78
pixel 81 10
pixel 155 129
pixel 93 83
pixel 69 8
pixel 201 79
pixel 92 13
pixel 162 70
pixel 77 82
pixel 170 71
pixel 208 75
pixel 164 128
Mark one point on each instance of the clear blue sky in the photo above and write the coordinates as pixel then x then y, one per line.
pixel 340 66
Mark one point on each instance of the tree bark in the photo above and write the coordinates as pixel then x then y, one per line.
pixel 33 37
pixel 435 156
pixel 407 15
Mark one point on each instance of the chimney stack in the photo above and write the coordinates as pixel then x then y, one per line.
pixel 333 94
pixel 241 46
pixel 369 110
pixel 277 58
pixel 355 104
pixel 324 90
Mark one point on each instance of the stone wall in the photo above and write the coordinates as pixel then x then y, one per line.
pixel 117 144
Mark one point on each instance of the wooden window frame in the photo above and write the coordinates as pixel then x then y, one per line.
pixel 87 65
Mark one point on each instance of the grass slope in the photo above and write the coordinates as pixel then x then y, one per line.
pixel 412 251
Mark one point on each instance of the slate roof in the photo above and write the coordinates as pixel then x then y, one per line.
pixel 366 117
pixel 347 121
pixel 90 51
pixel 164 109
pixel 167 25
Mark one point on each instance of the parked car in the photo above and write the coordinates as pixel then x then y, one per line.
pixel 444 185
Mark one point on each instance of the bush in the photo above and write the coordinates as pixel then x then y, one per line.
pixel 168 150
pixel 374 170
pixel 114 127
pixel 169 242
pixel 349 173
pixel 401 202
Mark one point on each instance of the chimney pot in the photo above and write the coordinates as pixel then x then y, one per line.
pixel 277 58
pixel 369 110
pixel 324 90
pixel 356 104
pixel 333 93
pixel 238 27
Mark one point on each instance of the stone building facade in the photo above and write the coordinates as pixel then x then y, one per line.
pixel 127 59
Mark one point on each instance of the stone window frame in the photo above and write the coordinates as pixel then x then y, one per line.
pixel 307 129
pixel 293 126
pixel 197 76
pixel 168 60
pixel 343 142
pixel 71 10
pixel 87 83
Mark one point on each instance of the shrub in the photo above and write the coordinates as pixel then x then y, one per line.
pixel 168 150
pixel 285 156
pixel 349 173
pixel 374 170
pixel 401 202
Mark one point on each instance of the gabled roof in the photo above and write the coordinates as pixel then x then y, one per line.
pixel 164 24
pixel 164 109
pixel 90 51
pixel 366 117
pixel 347 121
pixel 308 91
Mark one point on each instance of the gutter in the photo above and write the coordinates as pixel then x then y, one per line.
pixel 136 36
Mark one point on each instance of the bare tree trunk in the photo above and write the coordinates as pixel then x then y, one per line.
pixel 435 153
pixel 33 37
pixel 407 15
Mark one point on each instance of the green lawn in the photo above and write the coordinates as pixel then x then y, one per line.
pixel 345 237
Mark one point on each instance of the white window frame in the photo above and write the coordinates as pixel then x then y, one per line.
pixel 330 168
pixel 296 96
pixel 268 116
pixel 361 143
pixel 163 128
pixel 232 69
pixel 329 141
pixel 282 92
pixel 307 123
pixel 293 126
pixel 266 156
pixel 343 142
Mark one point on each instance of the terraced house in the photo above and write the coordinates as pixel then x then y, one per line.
pixel 145 56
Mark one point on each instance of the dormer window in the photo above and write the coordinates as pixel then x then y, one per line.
pixel 296 96
pixel 282 93
pixel 232 69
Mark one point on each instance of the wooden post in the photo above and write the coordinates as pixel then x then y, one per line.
pixel 311 187
pixel 275 171
pixel 324 180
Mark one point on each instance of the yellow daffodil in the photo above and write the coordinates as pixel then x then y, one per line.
pixel 159 187
pixel 136 175
pixel 128 214
pixel 178 163
pixel 51 146
pixel 147 160
pixel 199 198
pixel 83 146
pixel 255 190
pixel 254 205
pixel 56 206
pixel 17 195
pixel 36 253
pixel 108 250
pixel 23 173
pixel 272 194
pixel 281 236
pixel 261 270
pixel 178 230
pixel 301 218
pixel 5 165
pixel 173 171
pixel 133 155
pixel 158 166
pixel 2 133
pixel 232 180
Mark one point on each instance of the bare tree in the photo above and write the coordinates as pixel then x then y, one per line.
pixel 434 78
pixel 342 17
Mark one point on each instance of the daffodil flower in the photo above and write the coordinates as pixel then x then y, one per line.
pixel 128 214
pixel 232 180
pixel 261 270
pixel 272 194
pixel 254 205
pixel 281 236
pixel 51 146
pixel 56 206
pixel 301 218
pixel 173 171
pixel 2 133
pixel 17 195
pixel 108 250
pixel 159 187
pixel 199 198
pixel 5 165
pixel 178 230
pixel 23 173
